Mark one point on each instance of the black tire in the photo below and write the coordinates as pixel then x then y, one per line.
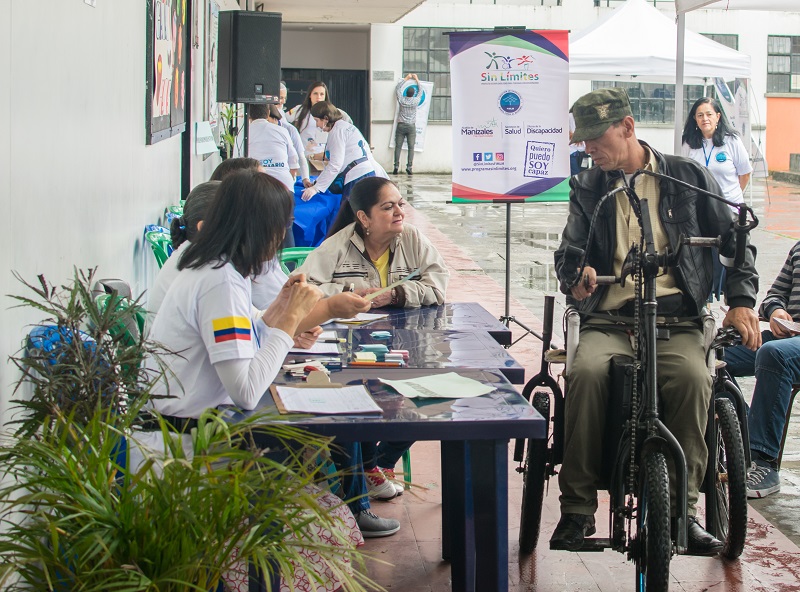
pixel 534 476
pixel 653 544
pixel 730 486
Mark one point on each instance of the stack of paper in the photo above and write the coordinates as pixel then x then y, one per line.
pixel 360 319
pixel 324 401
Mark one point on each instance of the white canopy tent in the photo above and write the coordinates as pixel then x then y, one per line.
pixel 636 42
pixel 684 6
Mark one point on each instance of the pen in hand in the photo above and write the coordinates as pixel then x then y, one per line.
pixel 352 287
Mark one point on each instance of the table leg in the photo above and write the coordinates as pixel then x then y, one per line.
pixel 458 527
pixel 488 459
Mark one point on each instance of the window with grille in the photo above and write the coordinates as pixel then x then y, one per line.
pixel 727 40
pixel 426 53
pixel 783 64
pixel 653 102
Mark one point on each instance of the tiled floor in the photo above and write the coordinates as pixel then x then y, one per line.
pixel 410 561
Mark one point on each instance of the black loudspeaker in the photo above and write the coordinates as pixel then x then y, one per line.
pixel 249 52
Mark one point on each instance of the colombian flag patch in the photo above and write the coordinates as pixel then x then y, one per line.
pixel 231 328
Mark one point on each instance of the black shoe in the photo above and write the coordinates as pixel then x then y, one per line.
pixel 701 542
pixel 394 172
pixel 408 171
pixel 570 532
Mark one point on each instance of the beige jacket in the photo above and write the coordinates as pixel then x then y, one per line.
pixel 341 260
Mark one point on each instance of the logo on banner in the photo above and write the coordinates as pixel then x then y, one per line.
pixel 533 128
pixel 480 131
pixel 508 68
pixel 477 156
pixel 538 159
pixel 510 102
pixel 512 130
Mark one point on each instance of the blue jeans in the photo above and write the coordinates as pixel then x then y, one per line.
pixel 353 486
pixel 384 455
pixel 776 366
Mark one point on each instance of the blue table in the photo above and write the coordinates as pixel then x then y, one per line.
pixel 459 316
pixel 314 217
pixel 438 349
pixel 474 461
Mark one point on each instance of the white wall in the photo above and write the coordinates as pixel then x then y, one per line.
pixel 77 182
pixel 574 15
pixel 328 50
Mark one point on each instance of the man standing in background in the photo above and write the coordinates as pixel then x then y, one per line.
pixel 406 121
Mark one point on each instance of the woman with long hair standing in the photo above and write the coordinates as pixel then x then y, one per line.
pixel 314 139
pixel 709 138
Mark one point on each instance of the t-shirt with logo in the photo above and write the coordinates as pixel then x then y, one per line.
pixel 271 145
pixel 727 163
pixel 205 318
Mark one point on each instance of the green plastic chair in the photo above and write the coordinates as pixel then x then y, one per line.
pixel 177 210
pixel 407 469
pixel 296 255
pixel 131 328
pixel 161 244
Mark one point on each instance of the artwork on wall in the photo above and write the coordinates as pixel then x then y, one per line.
pixel 167 57
pixel 210 105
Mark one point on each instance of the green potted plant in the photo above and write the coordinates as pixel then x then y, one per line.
pixel 228 115
pixel 202 510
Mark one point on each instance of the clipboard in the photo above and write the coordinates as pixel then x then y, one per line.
pixel 361 404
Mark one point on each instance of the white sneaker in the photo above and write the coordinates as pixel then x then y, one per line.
pixel 378 487
pixel 392 478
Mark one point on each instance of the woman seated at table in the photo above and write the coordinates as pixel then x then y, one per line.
pixel 208 318
pixel 371 247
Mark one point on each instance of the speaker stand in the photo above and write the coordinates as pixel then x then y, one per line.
pixel 507 317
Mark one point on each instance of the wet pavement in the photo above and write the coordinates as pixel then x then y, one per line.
pixel 479 230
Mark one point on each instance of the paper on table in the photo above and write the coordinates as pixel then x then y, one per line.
pixel 790 325
pixel 319 348
pixel 328 335
pixel 327 401
pixel 360 318
pixel 443 386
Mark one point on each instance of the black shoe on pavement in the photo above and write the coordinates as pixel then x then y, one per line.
pixel 570 532
pixel 701 542
pixel 408 171
pixel 394 172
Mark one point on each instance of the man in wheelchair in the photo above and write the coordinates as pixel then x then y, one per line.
pixel 604 121
pixel 776 366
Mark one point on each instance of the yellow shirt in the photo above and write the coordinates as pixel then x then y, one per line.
pixel 382 265
pixel 629 232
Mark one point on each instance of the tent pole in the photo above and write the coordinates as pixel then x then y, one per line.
pixel 679 57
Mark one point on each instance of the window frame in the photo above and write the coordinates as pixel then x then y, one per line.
pixel 783 64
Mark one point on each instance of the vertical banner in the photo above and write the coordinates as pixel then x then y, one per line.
pixel 426 88
pixel 510 94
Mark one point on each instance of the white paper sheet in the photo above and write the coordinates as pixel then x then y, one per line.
pixel 319 348
pixel 442 386
pixel 360 319
pixel 328 401
pixel 789 325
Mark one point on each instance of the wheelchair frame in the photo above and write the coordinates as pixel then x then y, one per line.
pixel 640 489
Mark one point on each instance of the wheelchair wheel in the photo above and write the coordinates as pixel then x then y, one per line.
pixel 653 545
pixel 534 476
pixel 730 487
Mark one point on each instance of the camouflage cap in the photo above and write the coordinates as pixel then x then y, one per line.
pixel 595 112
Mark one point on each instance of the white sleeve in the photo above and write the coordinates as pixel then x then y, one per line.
pixel 267 285
pixel 336 148
pixel 297 142
pixel 741 161
pixel 294 159
pixel 246 381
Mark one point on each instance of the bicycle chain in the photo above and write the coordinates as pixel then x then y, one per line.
pixel 637 300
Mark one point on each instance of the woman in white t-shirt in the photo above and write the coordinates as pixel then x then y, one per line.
pixel 709 138
pixel 314 138
pixel 271 145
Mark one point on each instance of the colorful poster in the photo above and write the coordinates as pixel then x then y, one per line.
pixel 210 105
pixel 167 49
pixel 422 115
pixel 510 115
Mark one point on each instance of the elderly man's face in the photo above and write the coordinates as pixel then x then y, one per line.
pixel 282 97
pixel 610 151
